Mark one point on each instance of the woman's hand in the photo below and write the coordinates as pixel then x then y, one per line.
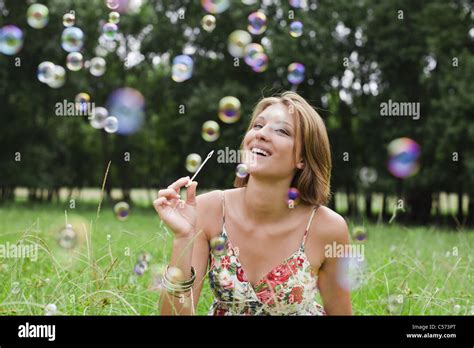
pixel 179 215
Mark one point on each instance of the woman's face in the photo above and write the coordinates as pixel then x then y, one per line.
pixel 271 142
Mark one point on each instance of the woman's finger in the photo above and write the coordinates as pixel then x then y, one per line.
pixel 191 193
pixel 168 193
pixel 179 183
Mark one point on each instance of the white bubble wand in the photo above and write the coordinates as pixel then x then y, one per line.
pixel 199 169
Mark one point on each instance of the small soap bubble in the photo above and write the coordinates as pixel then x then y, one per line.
pixel 50 309
pixel 218 245
pixel 110 30
pixel 67 237
pixel 257 23
pixel 208 23
pixel 140 268
pixel 457 309
pixel 395 304
pixel 215 6
pixel 210 131
pixel 359 234
pixel 296 28
pixel 69 19
pixel 74 61
pixel 98 117
pixel 193 161
pixel 59 77
pixel 122 211
pixel 251 51
pixel 114 17
pixel 182 68
pixel 368 175
pixel 15 289
pixel 229 109
pixel 296 73
pixel 298 3
pixel 111 124
pixel 45 72
pixel 11 40
pixel 237 41
pixel 97 66
pixel 37 16
pixel 144 257
pixel 242 170
pixel 404 156
pixel 82 101
pixel 72 39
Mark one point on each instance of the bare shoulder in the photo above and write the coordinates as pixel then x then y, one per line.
pixel 209 209
pixel 330 226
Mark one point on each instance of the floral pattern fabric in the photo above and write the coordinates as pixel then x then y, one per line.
pixel 288 289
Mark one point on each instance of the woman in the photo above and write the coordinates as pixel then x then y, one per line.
pixel 264 253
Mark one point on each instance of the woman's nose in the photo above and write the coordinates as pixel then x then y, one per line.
pixel 262 133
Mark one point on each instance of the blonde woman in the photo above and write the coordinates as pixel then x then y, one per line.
pixel 263 254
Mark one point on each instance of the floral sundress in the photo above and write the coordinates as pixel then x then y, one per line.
pixel 288 289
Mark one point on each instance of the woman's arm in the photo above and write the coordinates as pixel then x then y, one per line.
pixel 336 298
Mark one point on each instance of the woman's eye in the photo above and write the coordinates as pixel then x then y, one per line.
pixel 257 125
pixel 282 131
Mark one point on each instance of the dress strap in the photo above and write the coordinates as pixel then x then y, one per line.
pixel 309 224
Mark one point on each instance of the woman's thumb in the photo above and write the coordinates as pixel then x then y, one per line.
pixel 191 193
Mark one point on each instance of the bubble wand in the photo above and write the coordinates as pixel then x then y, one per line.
pixel 199 169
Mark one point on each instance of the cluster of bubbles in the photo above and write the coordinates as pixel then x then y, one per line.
pixel 255 57
pixel 122 211
pixel 193 161
pixel 208 23
pixel 210 131
pixel 293 197
pixel 215 6
pixel 37 16
pixel 52 75
pixel 403 159
pixel 110 28
pixel 68 238
pixel 182 68
pixel 242 171
pixel 218 246
pixel 237 41
pixel 50 309
pixel 11 40
pixel 142 263
pixel 298 3
pixel 257 23
pixel 98 116
pixel 368 175
pixel 296 73
pixel 359 234
pixel 128 107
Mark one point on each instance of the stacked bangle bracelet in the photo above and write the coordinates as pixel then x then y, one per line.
pixel 176 287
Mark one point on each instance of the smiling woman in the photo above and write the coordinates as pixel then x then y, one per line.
pixel 241 237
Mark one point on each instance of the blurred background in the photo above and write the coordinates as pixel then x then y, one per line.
pixel 160 69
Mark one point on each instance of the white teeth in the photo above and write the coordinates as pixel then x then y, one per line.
pixel 260 151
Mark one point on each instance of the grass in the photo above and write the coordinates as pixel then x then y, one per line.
pixel 409 271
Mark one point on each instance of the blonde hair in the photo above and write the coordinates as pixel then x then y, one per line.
pixel 314 180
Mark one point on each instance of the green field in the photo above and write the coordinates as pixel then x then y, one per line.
pixel 410 271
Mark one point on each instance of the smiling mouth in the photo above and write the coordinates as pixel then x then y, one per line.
pixel 260 152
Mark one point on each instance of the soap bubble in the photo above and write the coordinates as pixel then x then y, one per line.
pixel 404 154
pixel 111 124
pixel 114 17
pixel 140 268
pixel 242 170
pixel 69 19
pixel 50 309
pixel 144 257
pixel 182 68
pixel 72 39
pixel 237 42
pixel 250 51
pixel 98 117
pixel 296 73
pixel 110 30
pixel 122 211
pixel 74 61
pixel 218 246
pixel 257 23
pixel 82 102
pixel 208 23
pixel 359 234
pixel 67 237
pixel 395 304
pixel 59 77
pixel 368 175
pixel 210 131
pixel 45 72
pixel 11 39
pixel 260 62
pixel 215 6
pixel 128 106
pixel 121 6
pixel 229 109
pixel 97 66
pixel 37 16
pixel 193 161
pixel 352 273
pixel 296 29
pixel 298 3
